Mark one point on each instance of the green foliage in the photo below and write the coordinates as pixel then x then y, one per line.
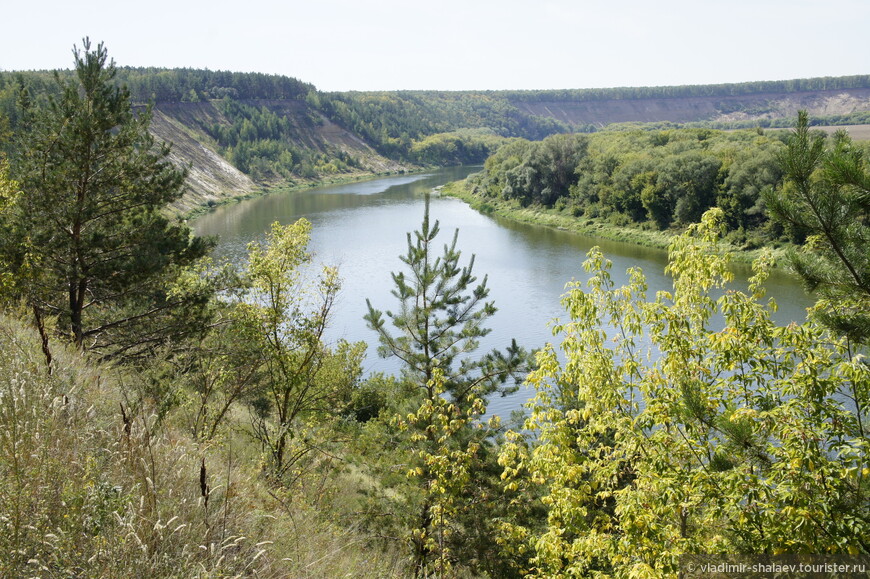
pixel 827 202
pixel 461 147
pixel 535 173
pixel 439 323
pixel 446 440
pixel 89 221
pixel 750 172
pixel 304 382
pixel 666 431
pixel 212 375
pixel 265 144
pixel 398 124
pixel 666 177
pixel 194 85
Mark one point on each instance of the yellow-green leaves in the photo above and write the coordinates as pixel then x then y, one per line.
pixel 286 314
pixel 8 188
pixel 446 449
pixel 689 424
pixel 8 193
pixel 273 266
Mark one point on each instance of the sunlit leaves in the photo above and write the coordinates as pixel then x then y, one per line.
pixel 689 424
pixel 285 314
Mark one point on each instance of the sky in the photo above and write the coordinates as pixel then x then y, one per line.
pixel 340 45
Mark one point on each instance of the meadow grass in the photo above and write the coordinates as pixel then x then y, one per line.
pixel 92 485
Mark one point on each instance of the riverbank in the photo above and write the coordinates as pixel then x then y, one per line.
pixel 296 187
pixel 596 228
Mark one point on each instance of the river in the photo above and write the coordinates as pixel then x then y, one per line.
pixel 361 228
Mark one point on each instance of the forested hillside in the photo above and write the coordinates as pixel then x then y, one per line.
pixel 243 131
pixel 163 414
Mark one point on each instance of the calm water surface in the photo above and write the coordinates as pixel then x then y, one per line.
pixel 362 227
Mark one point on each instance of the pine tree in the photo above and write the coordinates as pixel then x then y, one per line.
pixel 90 219
pixel 827 199
pixel 441 319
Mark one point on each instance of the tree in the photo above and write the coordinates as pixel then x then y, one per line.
pixel 301 378
pixel 446 446
pixel 668 432
pixel 827 200
pixel 536 172
pixel 440 321
pixel 755 169
pixel 90 218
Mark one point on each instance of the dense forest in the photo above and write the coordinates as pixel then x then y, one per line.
pixel 164 414
pixel 422 127
pixel 644 178
pixel 647 180
pixel 397 122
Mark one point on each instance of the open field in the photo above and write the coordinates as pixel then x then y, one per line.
pixel 857 132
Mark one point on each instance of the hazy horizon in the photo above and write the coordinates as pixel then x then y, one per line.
pixel 457 45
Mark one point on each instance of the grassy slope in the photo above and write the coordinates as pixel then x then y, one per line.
pixel 84 492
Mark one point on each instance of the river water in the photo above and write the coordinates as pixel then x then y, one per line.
pixel 362 228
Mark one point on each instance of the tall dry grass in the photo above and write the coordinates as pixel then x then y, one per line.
pixel 91 485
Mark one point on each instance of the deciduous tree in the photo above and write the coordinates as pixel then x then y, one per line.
pixel 302 380
pixel 666 432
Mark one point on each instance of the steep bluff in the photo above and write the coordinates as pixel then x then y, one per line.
pixel 212 179
pixel 692 109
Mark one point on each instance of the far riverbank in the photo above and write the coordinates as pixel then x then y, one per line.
pixel 556 219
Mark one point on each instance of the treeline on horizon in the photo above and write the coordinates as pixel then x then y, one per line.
pixel 699 90
pixel 191 84
pixel 425 127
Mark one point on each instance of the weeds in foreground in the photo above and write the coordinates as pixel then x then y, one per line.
pixel 91 485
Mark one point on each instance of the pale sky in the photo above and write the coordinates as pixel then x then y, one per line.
pixel 455 44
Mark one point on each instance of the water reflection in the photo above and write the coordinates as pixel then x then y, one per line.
pixel 362 228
